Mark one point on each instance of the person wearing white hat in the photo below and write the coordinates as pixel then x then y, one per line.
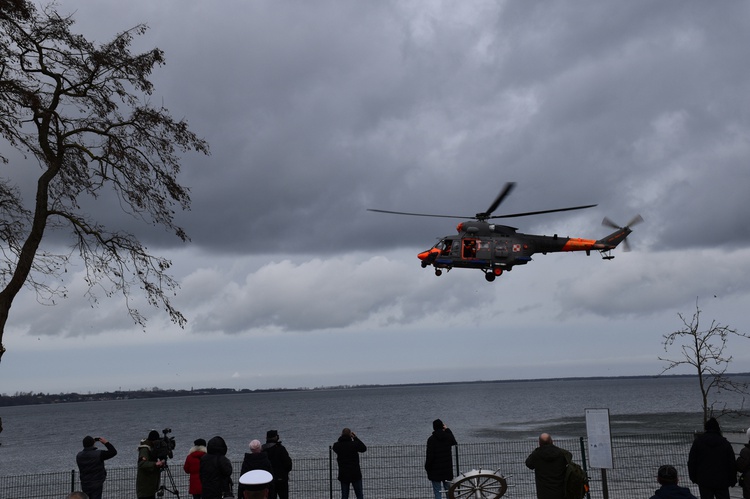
pixel 256 484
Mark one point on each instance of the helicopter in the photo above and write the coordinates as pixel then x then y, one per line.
pixel 494 249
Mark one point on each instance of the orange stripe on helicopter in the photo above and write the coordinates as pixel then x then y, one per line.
pixel 578 244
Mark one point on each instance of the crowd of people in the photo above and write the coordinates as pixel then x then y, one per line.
pixel 712 466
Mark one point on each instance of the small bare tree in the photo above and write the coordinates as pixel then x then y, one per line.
pixel 705 351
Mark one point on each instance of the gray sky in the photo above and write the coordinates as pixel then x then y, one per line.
pixel 316 111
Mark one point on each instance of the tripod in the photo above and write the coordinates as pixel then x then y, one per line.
pixel 163 487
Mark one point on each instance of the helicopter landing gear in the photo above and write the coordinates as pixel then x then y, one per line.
pixel 478 483
pixel 438 272
pixel 491 274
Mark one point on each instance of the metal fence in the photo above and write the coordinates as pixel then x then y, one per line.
pixel 397 472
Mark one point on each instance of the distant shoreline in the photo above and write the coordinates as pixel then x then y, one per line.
pixel 30 398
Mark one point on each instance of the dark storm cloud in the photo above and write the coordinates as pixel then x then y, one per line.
pixel 636 106
pixel 578 106
pixel 316 111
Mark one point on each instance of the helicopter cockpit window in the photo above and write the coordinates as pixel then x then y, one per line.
pixel 445 246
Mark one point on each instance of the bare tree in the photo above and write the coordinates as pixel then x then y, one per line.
pixel 705 351
pixel 81 111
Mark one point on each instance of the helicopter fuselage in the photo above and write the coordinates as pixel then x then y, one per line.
pixel 496 248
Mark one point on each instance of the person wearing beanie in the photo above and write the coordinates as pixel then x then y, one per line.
pixel 348 448
pixel 439 461
pixel 192 467
pixel 711 463
pixel 91 468
pixel 743 466
pixel 667 478
pixel 149 468
pixel 281 464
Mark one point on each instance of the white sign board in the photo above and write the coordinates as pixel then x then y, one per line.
pixel 600 440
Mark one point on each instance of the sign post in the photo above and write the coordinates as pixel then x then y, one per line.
pixel 599 443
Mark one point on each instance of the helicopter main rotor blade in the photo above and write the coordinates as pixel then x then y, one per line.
pixel 419 214
pixel 509 186
pixel 525 214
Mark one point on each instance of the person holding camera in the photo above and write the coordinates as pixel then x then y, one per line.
pixel 347 449
pixel 91 469
pixel 439 458
pixel 149 467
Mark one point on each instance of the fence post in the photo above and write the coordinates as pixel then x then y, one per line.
pixel 458 467
pixel 584 465
pixel 330 470
pixel 72 480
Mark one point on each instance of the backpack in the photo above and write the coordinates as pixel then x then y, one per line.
pixel 576 481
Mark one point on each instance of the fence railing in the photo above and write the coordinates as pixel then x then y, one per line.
pixel 397 472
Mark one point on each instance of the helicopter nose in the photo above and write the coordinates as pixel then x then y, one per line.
pixel 428 255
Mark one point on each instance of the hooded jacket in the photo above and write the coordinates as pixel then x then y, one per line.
pixel 216 470
pixel 439 460
pixel 192 466
pixel 549 463
pixel 147 476
pixel 711 462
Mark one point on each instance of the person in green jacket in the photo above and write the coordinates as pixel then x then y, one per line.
pixel 149 468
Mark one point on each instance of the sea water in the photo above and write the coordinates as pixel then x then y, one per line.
pixel 45 438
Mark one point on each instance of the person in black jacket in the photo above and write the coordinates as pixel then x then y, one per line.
pixel 347 449
pixel 439 461
pixel 256 459
pixel 743 467
pixel 667 478
pixel 91 468
pixel 549 462
pixel 216 470
pixel 711 463
pixel 281 464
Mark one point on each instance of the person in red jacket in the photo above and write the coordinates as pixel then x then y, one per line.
pixel 192 466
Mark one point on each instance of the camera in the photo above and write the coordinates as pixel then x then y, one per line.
pixel 164 446
pixel 97 439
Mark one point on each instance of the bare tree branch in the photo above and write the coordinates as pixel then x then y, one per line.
pixel 704 351
pixel 81 111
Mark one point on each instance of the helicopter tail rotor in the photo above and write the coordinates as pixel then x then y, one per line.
pixel 622 233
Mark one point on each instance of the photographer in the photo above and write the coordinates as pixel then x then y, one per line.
pixel 91 465
pixel 149 467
